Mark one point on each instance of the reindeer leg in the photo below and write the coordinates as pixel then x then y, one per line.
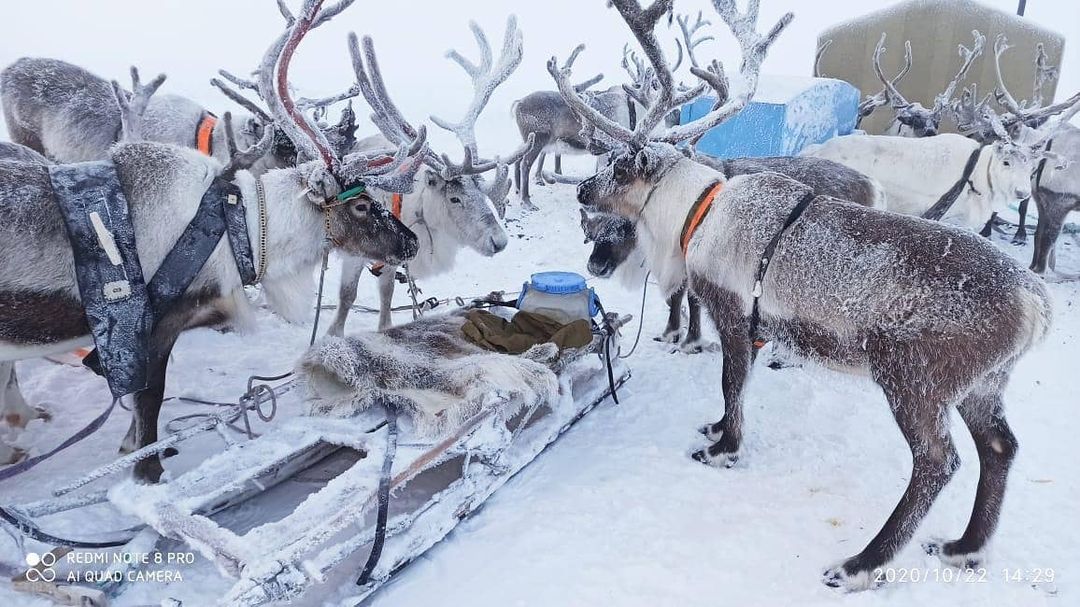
pixel 923 420
pixel 148 401
pixel 538 177
pixel 1020 237
pixel 725 309
pixel 351 270
pixel 517 177
pixel 1053 208
pixel 558 164
pixel 386 297
pixel 13 407
pixel 526 168
pixel 984 416
pixel 671 331
pixel 691 344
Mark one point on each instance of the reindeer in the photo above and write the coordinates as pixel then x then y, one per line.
pixel 14 152
pixel 934 315
pixel 293 214
pixel 545 116
pixel 615 239
pixel 450 207
pixel 1056 181
pixel 912 118
pixel 70 115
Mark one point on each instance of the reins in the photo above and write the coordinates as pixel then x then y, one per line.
pixel 943 204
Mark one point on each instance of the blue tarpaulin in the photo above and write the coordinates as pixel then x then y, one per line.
pixel 786 115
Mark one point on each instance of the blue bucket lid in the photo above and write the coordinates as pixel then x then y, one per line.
pixel 560 283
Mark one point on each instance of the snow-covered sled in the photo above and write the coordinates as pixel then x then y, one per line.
pixel 429 445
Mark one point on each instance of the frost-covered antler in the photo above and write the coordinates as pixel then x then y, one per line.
pixel 967 56
pixel 133 105
pixel 974 117
pixel 689 31
pixel 882 97
pixel 1029 114
pixel 243 160
pixel 486 77
pixel 1044 72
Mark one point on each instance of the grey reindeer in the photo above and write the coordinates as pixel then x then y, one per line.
pixel 40 309
pixel 615 238
pixel 451 206
pixel 935 315
pixel 557 129
pixel 68 114
pixel 1055 184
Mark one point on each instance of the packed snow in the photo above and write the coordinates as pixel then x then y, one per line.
pixel 615 512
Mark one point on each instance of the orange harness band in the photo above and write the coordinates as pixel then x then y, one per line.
pixel 395 208
pixel 697 214
pixel 204 134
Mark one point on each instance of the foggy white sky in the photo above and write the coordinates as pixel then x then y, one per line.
pixel 190 39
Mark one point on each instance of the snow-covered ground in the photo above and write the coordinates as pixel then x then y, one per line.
pixel 617 513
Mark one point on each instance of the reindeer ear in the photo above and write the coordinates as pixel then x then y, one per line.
pixel 434 180
pixel 584 217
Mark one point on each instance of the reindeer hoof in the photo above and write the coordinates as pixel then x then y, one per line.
pixel 170 452
pixel 691 347
pixel 947 555
pixel 710 432
pixel 148 471
pixel 668 337
pixel 720 460
pixel 43 414
pixel 847 578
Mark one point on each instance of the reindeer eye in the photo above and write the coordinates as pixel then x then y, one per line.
pixel 1006 163
pixel 361 207
pixel 455 200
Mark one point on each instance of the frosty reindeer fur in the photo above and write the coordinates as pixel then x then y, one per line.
pixel 615 239
pixel 958 318
pixel 70 115
pixel 163 184
pixel 451 205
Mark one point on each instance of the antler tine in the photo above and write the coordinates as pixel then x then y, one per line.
pixel 286 13
pixel 242 101
pixel 243 160
pixel 306 104
pixel 588 84
pixel 817 57
pixel 1039 115
pixel 688 32
pixel 1044 72
pixel 486 77
pixel 967 57
pixel 1001 44
pixel 754 48
pixel 134 105
pixel 243 83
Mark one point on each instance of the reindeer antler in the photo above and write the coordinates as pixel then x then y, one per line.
pixel 1044 72
pixel 133 107
pixel 243 160
pixel 1031 115
pixel 486 76
pixel 967 57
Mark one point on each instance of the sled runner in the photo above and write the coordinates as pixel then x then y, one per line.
pixel 385 465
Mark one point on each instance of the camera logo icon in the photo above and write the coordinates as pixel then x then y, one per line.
pixel 41 567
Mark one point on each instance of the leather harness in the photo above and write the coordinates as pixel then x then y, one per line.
pixel 697 214
pixel 943 204
pixel 121 307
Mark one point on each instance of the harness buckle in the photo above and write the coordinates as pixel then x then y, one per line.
pixel 757 289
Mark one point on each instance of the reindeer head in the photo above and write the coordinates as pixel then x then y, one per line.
pixel 643 157
pixel 614 238
pixel 336 184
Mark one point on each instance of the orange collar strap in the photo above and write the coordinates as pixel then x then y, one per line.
pixel 697 214
pixel 395 205
pixel 204 134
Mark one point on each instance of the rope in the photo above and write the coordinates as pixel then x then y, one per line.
pixel 29 529
pixel 93 426
pixel 384 495
pixel 641 318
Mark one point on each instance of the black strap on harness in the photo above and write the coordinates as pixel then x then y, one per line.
pixel 943 204
pixel 763 266
pixel 1042 165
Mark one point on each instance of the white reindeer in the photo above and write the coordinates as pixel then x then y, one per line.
pixel 293 212
pixel 936 316
pixel 450 207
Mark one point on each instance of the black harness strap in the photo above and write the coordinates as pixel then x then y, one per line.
pixel 947 199
pixel 221 211
pixel 763 267
pixel 111 285
pixel 1042 165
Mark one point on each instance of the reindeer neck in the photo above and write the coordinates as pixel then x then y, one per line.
pixel 664 216
pixel 296 232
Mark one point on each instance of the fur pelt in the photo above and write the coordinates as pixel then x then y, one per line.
pixel 429 372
